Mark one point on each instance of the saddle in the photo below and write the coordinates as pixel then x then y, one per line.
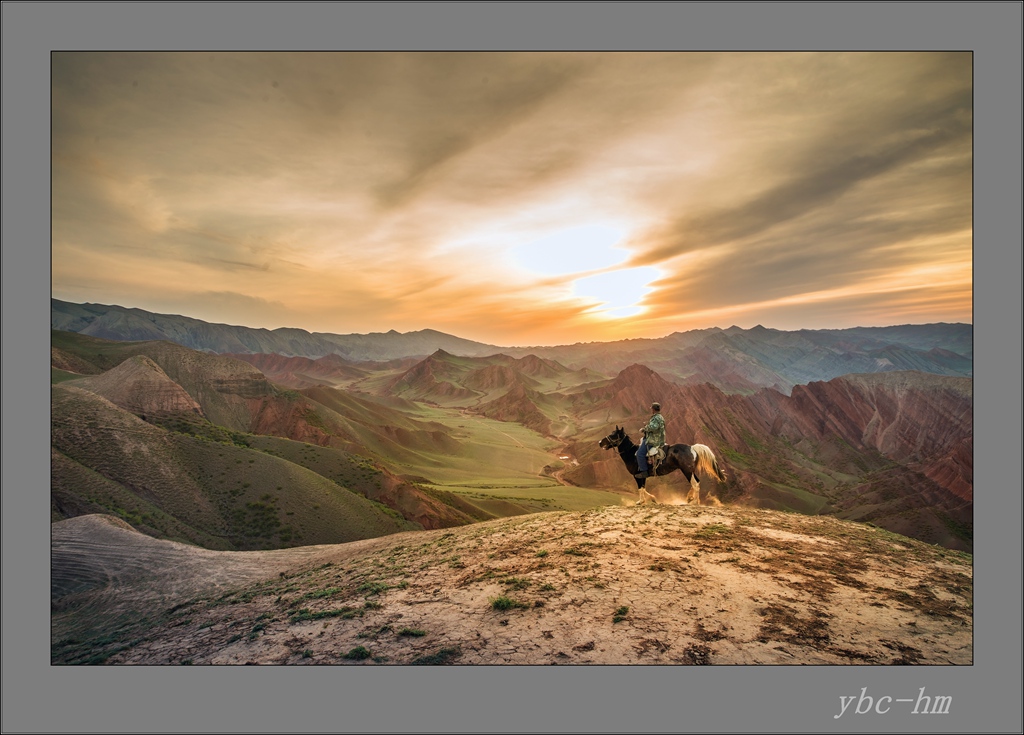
pixel 656 455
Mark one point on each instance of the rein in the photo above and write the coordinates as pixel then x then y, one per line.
pixel 621 445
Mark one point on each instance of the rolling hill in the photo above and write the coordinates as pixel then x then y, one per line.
pixel 218 494
pixel 893 448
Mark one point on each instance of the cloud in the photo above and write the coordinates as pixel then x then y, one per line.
pixel 370 191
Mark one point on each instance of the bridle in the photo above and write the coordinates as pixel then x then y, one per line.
pixel 614 443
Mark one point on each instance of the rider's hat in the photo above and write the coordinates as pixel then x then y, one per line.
pixel 656 406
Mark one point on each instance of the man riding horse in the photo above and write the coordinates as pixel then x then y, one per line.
pixel 653 439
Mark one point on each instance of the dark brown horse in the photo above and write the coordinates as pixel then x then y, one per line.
pixel 688 459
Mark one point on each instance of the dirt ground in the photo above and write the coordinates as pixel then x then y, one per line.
pixel 648 585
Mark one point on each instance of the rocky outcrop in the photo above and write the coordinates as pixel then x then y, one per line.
pixel 920 420
pixel 140 386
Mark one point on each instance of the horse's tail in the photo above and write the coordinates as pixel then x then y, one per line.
pixel 706 463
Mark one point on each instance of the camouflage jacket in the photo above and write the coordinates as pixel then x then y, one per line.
pixel 655 431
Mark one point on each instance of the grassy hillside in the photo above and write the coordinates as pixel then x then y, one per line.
pixel 219 491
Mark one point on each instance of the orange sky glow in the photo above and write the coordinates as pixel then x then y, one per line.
pixel 516 198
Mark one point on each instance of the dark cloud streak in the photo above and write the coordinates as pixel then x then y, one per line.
pixel 798 196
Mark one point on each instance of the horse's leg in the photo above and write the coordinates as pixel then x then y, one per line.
pixel 689 495
pixel 640 492
pixel 695 486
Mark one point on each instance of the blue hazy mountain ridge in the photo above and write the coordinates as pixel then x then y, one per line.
pixel 120 323
pixel 734 359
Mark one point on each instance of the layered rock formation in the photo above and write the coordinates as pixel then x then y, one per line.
pixel 140 386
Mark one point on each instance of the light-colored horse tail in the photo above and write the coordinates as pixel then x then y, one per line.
pixel 705 463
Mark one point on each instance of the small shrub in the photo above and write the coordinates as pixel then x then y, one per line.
pixel 359 653
pixel 620 614
pixel 414 632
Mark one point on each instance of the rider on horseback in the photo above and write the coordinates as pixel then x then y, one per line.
pixel 654 438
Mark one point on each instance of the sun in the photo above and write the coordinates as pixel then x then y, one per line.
pixel 592 259
pixel 573 250
pixel 619 293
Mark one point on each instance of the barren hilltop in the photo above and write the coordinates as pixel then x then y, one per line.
pixel 665 584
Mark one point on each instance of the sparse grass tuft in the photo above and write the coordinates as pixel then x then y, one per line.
pixel 373 588
pixel 343 612
pixel 712 530
pixel 507 603
pixel 516 583
pixel 620 614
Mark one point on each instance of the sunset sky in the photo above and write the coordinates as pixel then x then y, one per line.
pixel 516 198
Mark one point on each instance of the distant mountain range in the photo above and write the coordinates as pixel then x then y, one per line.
pixel 119 323
pixel 735 360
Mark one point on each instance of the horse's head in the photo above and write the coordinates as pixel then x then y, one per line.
pixel 614 439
